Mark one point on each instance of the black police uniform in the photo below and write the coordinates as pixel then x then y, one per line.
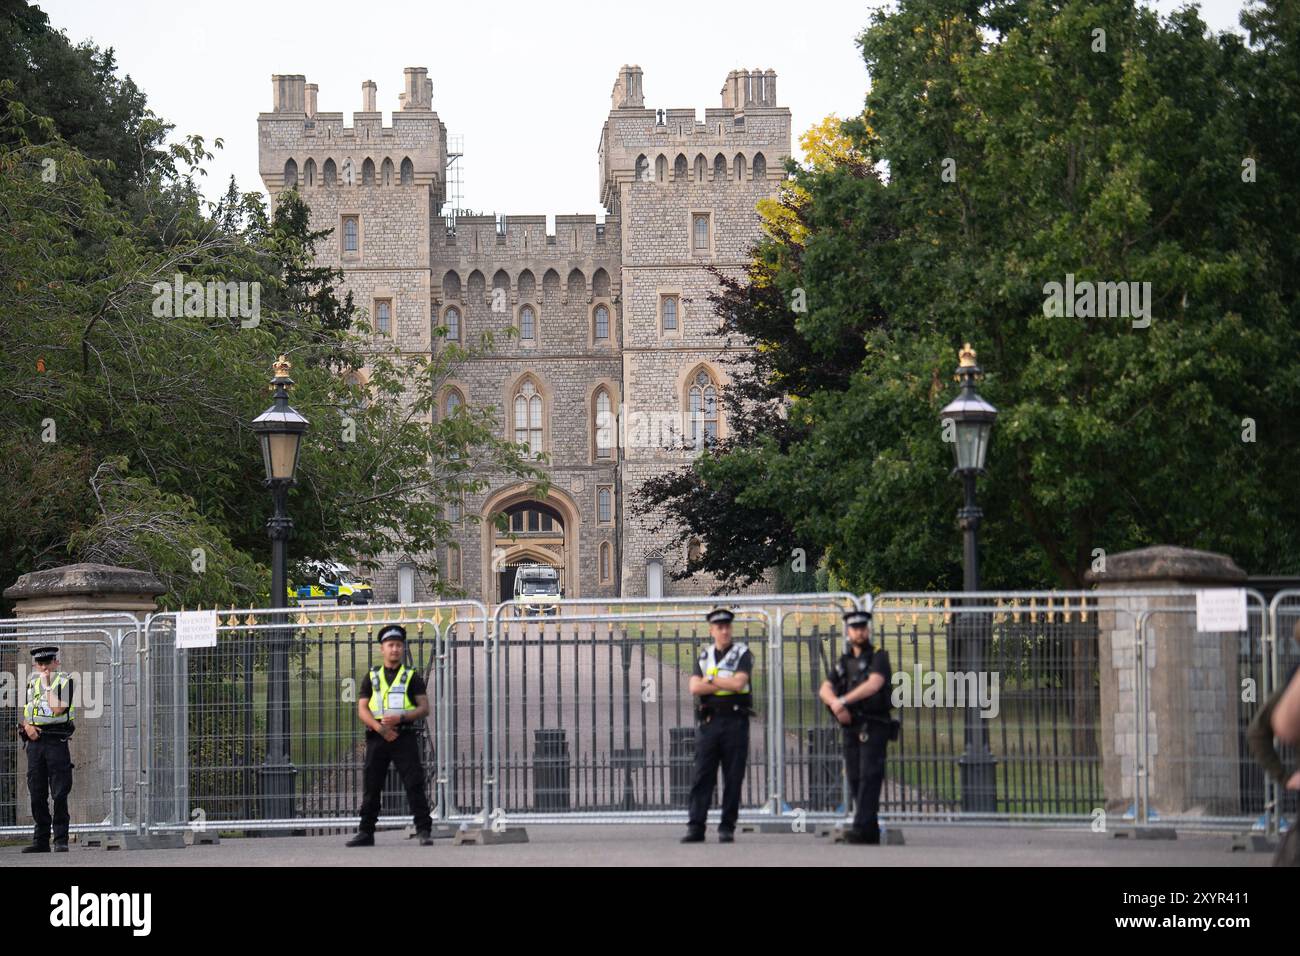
pixel 49 771
pixel 721 739
pixel 403 753
pixel 867 737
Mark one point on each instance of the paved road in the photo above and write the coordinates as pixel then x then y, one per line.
pixel 656 845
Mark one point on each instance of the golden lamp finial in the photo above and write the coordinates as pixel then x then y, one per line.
pixel 966 357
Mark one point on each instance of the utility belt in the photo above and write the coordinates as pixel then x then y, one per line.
pixel 869 723
pixel 729 705
pixel 49 733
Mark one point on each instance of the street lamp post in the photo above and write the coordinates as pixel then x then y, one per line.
pixel 967 422
pixel 279 429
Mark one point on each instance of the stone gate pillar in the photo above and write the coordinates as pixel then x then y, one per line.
pixel 68 593
pixel 1193 684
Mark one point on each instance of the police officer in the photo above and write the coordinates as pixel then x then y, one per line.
pixel 46 727
pixel 392 703
pixel 857 692
pixel 720 684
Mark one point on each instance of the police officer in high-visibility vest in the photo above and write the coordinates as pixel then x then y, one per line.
pixel 720 684
pixel 857 693
pixel 45 728
pixel 392 702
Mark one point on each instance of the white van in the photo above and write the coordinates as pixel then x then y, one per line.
pixel 537 589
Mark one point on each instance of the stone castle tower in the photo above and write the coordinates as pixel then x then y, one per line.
pixel 617 357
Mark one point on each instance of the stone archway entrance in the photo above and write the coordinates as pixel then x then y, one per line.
pixel 537 531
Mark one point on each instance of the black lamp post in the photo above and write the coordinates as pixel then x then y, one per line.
pixel 967 421
pixel 279 429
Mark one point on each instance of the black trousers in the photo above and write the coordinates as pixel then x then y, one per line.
pixel 403 753
pixel 864 763
pixel 723 740
pixel 49 773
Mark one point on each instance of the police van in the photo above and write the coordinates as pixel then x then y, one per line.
pixel 537 589
pixel 334 584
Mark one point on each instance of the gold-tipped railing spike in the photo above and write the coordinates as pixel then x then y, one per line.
pixel 947 614
pixel 1065 608
pixel 1033 610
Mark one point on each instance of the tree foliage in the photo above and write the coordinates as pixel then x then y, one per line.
pixel 127 437
pixel 1004 146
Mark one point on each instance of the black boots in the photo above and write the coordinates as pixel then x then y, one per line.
pixel 37 848
pixel 693 836
pixel 362 838
pixel 425 837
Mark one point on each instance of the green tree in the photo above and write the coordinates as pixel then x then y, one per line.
pixel 1004 147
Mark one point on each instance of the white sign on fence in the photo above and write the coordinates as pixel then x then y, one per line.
pixel 196 629
pixel 1221 609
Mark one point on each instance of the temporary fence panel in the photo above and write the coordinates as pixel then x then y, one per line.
pixel 97 652
pixel 215 727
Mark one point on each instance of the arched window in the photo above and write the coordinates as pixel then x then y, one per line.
pixel 606 563
pixel 368 173
pixel 694 551
pixel 349 233
pixel 386 173
pixel 384 316
pixel 527 324
pixel 702 407
pixel 661 168
pixel 330 173
pixel 603 425
pixel 452 402
pixel 719 168
pixel 309 173
pixel 700 166
pixel 679 167
pixel 601 319
pixel 760 167
pixel 290 174
pixel 408 172
pixel 700 226
pixel 528 418
pixel 642 169
pixel 453 563
pixel 738 170
pixel 455 511
pixel 452 321
pixel 668 313
pixel 605 504
pixel 357 397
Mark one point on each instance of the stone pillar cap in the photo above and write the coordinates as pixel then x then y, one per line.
pixel 1165 562
pixel 83 579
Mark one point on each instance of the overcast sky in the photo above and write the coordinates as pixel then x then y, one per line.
pixel 525 83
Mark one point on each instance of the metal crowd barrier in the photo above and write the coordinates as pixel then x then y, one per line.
pixel 586 716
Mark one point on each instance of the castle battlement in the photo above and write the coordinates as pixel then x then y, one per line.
pixel 296 141
pixel 748 131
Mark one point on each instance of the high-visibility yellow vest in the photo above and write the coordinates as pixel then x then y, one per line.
pixel 395 696
pixel 38 710
pixel 725 666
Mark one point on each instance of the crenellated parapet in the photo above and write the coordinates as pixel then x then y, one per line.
pixel 299 146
